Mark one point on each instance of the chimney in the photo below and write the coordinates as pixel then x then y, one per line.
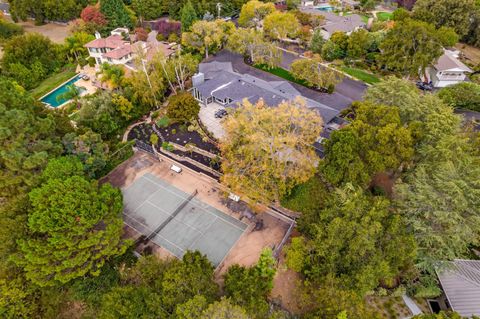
pixel 97 35
pixel 198 79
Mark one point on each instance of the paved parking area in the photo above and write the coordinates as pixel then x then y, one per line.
pixel 207 116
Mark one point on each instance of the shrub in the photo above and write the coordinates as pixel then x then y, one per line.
pixel 183 107
pixel 163 122
pixel 167 146
pixel 463 95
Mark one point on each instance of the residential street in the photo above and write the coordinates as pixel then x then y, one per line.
pixel 349 88
pixel 345 92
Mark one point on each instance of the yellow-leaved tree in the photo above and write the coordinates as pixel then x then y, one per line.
pixel 268 150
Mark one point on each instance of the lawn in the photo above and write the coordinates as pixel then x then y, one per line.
pixel 284 74
pixel 361 75
pixel 52 82
pixel 384 16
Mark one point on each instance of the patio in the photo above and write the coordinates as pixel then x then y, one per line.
pixel 207 116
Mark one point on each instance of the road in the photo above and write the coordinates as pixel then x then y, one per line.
pixel 345 93
pixel 349 88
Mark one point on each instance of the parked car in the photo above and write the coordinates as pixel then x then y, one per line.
pixel 425 86
pixel 220 113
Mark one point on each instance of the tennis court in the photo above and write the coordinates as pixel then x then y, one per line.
pixel 178 221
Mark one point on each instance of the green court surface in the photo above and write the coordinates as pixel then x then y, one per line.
pixel 176 221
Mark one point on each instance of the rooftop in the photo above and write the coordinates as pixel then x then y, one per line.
pixel 449 62
pixel 223 83
pixel 460 280
pixel 111 42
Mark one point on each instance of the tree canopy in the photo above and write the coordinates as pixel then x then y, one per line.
pixel 355 239
pixel 464 95
pixel 267 150
pixel 74 226
pixel 183 107
pixel 411 46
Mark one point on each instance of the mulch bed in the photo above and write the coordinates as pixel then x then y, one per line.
pixel 182 137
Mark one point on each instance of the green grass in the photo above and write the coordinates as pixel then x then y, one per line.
pixel 384 16
pixel 280 72
pixel 364 18
pixel 361 75
pixel 52 82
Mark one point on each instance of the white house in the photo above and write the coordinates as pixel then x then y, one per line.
pixel 448 70
pixel 115 50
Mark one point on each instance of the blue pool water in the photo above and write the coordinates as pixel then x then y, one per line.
pixel 51 98
pixel 325 8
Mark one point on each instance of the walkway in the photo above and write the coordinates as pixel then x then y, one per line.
pixel 414 309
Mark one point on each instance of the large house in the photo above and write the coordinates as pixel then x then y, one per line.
pixel 460 281
pixel 448 70
pixel 335 23
pixel 216 82
pixel 114 49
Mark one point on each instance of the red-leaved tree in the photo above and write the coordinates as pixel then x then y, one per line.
pixel 92 14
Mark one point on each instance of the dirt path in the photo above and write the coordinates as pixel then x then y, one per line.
pixel 55 32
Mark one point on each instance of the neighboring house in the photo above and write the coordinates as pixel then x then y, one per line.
pixel 334 22
pixel 216 82
pixel 307 3
pixel 115 50
pixel 448 70
pixel 460 281
pixel 5 8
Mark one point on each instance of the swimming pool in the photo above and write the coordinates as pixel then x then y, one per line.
pixel 51 98
pixel 327 8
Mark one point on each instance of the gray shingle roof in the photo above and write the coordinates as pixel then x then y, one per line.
pixel 448 62
pixel 460 280
pixel 235 86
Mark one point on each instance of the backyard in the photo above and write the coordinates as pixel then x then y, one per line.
pixel 384 16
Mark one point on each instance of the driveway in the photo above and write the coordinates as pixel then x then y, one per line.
pixel 345 92
pixel 207 116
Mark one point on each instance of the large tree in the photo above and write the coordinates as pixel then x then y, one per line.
pixel 464 95
pixel 279 25
pixel 253 12
pixel 315 75
pixel 176 70
pixel 268 150
pixel 183 107
pixel 31 57
pixel 205 36
pixel 116 14
pixel 376 141
pixel 251 44
pixel 457 14
pixel 440 199
pixel 74 226
pixel 249 287
pixel 355 239
pixel 188 16
pixel 410 47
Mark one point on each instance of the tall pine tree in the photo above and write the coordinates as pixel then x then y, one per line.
pixel 116 14
pixel 188 16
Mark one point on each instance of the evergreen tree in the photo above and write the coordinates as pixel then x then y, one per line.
pixel 188 16
pixel 75 226
pixel 115 13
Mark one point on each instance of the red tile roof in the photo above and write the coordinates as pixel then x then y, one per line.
pixel 111 42
pixel 119 52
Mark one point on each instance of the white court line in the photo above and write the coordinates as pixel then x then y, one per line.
pixel 137 230
pixel 184 198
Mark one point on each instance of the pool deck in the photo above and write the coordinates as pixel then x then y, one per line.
pixel 86 84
